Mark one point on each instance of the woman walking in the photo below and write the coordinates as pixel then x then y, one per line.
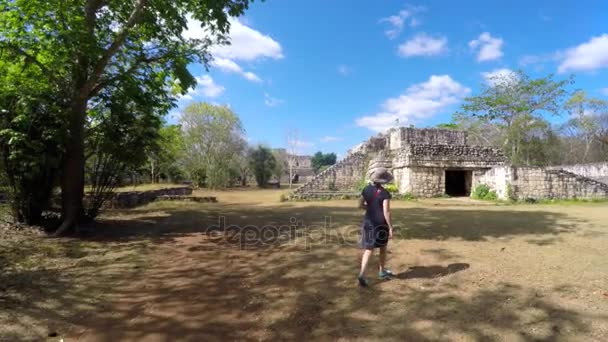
pixel 377 228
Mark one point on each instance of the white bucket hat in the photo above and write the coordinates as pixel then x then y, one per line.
pixel 381 176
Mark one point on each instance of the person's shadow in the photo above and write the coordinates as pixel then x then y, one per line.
pixel 429 272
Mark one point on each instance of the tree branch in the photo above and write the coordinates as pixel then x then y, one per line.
pixel 116 44
pixel 28 57
pixel 106 82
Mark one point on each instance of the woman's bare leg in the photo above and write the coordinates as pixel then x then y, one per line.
pixel 367 253
pixel 382 258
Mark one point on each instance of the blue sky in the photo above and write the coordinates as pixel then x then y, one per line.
pixel 339 71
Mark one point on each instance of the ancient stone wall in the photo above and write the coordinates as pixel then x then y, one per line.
pixel 537 183
pixel 460 156
pixel 399 137
pixel 596 171
pixel 549 183
pixel 343 176
pixel 496 178
pixel 425 182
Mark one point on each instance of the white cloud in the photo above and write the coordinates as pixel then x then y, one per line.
pixel 228 65
pixel 419 101
pixel 344 70
pixel 398 21
pixel 330 138
pixel 490 48
pixel 271 101
pixel 246 44
pixel 423 45
pixel 588 56
pixel 604 91
pixel 499 76
pixel 205 86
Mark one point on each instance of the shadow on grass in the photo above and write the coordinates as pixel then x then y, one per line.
pixel 267 225
pixel 435 271
pixel 290 279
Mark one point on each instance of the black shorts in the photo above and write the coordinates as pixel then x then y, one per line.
pixel 373 236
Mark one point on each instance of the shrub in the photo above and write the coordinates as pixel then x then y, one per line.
pixel 391 188
pixel 362 184
pixel 283 198
pixel 483 192
pixel 408 196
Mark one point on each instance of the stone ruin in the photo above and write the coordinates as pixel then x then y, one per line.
pixel 436 162
pixel 302 168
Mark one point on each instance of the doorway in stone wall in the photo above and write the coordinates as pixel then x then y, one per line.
pixel 458 182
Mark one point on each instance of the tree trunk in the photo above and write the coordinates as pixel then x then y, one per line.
pixel 72 176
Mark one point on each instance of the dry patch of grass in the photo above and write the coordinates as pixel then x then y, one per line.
pixel 466 270
pixel 148 187
pixel 48 284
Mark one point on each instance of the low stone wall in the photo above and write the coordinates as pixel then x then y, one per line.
pixel 550 183
pixel 131 199
pixel 596 171
pixel 538 183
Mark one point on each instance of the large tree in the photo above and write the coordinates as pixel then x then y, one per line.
pixel 320 160
pixel 85 48
pixel 515 105
pixel 585 134
pixel 263 164
pixel 213 143
pixel 164 159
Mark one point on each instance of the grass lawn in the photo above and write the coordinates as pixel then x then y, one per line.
pixel 148 187
pixel 251 268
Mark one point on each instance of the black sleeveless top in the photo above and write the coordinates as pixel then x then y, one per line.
pixel 374 197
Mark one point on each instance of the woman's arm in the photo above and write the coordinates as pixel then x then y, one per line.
pixel 386 208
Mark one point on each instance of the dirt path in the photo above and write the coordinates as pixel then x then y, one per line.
pixel 465 272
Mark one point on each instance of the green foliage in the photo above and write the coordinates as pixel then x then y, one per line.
pixel 213 144
pixel 391 188
pixel 321 159
pixel 164 159
pixel 408 196
pixel 570 201
pixel 509 112
pixel 484 192
pixel 262 163
pixel 585 134
pixel 110 129
pixel 63 60
pixel 448 125
pixel 361 185
pixel 281 164
pixel 31 135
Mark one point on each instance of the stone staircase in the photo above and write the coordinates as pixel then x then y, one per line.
pixel 593 187
pixel 344 175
